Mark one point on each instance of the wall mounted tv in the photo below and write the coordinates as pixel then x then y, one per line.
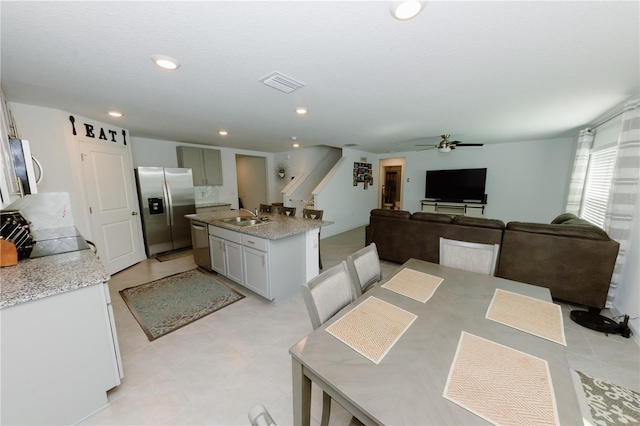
pixel 456 185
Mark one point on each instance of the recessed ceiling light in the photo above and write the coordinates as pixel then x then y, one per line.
pixel 166 62
pixel 223 133
pixel 301 111
pixel 404 10
pixel 296 145
pixel 115 114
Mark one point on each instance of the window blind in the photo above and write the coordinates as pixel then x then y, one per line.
pixel 598 185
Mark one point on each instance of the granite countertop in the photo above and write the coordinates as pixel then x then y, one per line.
pixel 277 226
pixel 33 279
pixel 218 204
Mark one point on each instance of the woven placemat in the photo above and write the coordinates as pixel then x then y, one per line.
pixel 372 328
pixel 500 384
pixel 528 314
pixel 414 284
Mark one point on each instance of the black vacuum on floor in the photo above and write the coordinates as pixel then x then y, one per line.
pixel 603 324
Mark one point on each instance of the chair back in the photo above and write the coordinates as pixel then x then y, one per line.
pixel 265 208
pixel 474 257
pixel 259 416
pixel 364 268
pixel 287 211
pixel 312 214
pixel 327 293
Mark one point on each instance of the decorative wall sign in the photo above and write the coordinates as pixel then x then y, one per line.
pixel 362 172
pixel 94 132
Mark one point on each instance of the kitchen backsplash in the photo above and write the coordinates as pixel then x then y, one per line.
pixel 45 210
pixel 206 194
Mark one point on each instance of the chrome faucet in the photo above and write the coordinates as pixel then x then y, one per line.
pixel 254 215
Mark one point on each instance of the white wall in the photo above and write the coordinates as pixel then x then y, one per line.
pixel 526 181
pixel 347 205
pixel 49 134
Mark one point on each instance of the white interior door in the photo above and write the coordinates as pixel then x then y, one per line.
pixel 112 204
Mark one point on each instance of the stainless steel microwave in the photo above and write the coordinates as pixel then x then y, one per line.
pixel 23 163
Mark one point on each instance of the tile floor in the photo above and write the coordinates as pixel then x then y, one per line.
pixel 213 370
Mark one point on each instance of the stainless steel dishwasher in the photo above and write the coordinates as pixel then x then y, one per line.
pixel 200 243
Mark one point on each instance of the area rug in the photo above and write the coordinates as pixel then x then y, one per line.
pixel 176 254
pixel 605 404
pixel 165 305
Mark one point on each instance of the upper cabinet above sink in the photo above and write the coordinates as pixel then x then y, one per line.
pixel 205 164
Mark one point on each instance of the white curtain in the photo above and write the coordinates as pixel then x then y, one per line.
pixel 579 172
pixel 624 188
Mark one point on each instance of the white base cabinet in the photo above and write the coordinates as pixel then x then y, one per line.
pixel 226 253
pixel 218 256
pixel 256 271
pixel 274 269
pixel 59 357
pixel 234 261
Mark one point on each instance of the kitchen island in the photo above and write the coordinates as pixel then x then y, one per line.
pixel 271 257
pixel 60 351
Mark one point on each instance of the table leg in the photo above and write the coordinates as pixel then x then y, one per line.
pixel 301 395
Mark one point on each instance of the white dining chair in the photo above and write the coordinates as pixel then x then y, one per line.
pixel 474 257
pixel 324 296
pixel 364 268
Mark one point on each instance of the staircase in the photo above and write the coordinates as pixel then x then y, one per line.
pixel 300 191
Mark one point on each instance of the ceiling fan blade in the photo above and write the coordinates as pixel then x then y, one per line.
pixel 426 145
pixel 469 144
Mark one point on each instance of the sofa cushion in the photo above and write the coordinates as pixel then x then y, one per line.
pixel 577 229
pixel 394 214
pixel 431 217
pixel 478 221
pixel 563 218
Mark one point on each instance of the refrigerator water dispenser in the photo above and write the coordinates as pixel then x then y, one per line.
pixel 156 206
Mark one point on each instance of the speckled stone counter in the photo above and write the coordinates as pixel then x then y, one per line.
pixel 277 226
pixel 33 279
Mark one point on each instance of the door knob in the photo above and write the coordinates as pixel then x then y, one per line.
pixel 134 213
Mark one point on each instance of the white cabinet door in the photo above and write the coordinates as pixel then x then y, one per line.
pixel 234 261
pixel 256 271
pixel 217 250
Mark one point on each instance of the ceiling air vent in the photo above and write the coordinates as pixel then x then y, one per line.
pixel 350 144
pixel 281 82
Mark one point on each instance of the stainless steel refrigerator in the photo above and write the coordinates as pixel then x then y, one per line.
pixel 166 196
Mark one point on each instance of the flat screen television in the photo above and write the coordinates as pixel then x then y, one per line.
pixel 457 185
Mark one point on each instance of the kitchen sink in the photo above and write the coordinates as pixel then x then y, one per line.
pixel 251 222
pixel 243 221
pixel 234 219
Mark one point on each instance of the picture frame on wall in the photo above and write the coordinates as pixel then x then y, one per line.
pixel 362 172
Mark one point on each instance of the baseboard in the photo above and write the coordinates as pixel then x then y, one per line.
pixel 616 311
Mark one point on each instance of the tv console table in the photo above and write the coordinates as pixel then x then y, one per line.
pixel 465 209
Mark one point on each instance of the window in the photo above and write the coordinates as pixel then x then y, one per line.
pixel 598 185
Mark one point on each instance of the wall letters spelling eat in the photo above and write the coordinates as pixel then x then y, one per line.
pixel 90 132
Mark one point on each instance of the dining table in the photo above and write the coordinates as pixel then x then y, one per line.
pixel 406 386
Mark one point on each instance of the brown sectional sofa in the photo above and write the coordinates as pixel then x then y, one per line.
pixel 571 257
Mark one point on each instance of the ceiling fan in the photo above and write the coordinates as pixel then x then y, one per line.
pixel 445 145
